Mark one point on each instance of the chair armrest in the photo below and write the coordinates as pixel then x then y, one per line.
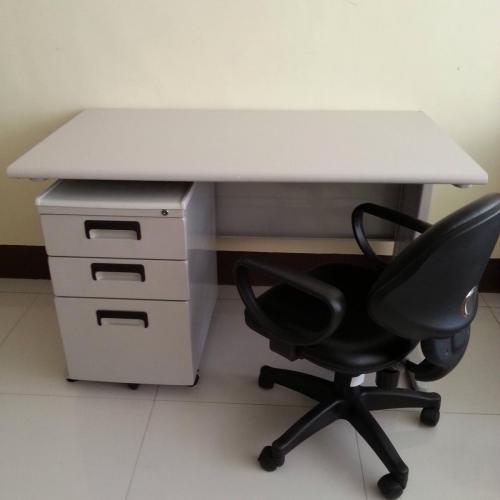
pixel 293 335
pixel 382 213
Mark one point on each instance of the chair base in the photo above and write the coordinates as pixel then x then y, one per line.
pixel 338 400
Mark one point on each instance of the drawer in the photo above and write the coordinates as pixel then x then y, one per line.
pixel 120 237
pixel 119 278
pixel 130 341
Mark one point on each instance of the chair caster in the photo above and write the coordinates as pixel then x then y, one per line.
pixel 430 416
pixel 133 387
pixel 265 381
pixel 270 460
pixel 387 379
pixel 390 487
pixel 71 380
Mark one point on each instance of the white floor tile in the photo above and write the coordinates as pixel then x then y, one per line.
pixel 231 292
pixel 496 313
pixel 12 307
pixel 473 386
pixel 209 451
pixel 21 285
pixel 231 363
pixel 458 459
pixel 68 448
pixel 45 286
pixel 481 301
pixel 491 299
pixel 32 360
pixel 227 292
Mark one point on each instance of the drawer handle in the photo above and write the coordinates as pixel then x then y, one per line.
pixel 129 316
pixel 114 229
pixel 132 270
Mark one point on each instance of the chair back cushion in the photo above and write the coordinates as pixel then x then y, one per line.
pixel 430 289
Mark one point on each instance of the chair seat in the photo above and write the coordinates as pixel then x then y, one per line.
pixel 358 345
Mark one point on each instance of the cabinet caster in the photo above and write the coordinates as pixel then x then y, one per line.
pixel 387 379
pixel 265 381
pixel 71 380
pixel 133 387
pixel 270 460
pixel 429 416
pixel 390 487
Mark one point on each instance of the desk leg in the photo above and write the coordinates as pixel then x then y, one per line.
pixel 415 201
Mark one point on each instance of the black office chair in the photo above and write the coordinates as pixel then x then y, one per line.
pixel 356 320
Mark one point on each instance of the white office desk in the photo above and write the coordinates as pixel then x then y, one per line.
pixel 279 173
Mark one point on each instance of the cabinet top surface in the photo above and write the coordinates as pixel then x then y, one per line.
pixel 115 195
pixel 246 146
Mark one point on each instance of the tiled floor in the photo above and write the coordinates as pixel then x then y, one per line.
pixel 102 441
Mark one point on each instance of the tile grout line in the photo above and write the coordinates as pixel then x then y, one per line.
pixel 361 466
pixel 71 396
pixel 493 314
pixel 23 314
pixel 220 403
pixel 488 305
pixel 139 451
pixel 154 398
pixel 233 403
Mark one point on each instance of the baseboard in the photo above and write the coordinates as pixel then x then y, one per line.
pixel 21 261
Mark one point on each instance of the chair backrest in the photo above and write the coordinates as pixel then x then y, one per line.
pixel 430 289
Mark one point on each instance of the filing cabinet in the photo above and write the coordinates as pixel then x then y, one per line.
pixel 133 268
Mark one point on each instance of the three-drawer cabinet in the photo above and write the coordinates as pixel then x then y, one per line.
pixel 133 268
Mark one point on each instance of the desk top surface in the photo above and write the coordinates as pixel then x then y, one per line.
pixel 250 146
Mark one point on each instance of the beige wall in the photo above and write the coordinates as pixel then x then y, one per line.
pixel 60 56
